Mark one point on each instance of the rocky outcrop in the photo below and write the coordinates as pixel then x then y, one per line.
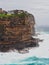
pixel 16 30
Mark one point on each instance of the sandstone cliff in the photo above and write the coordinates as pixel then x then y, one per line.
pixel 16 30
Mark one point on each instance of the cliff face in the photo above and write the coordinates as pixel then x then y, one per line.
pixel 16 30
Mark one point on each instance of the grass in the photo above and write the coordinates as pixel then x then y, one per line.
pixel 21 15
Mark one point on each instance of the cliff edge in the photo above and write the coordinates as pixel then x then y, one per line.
pixel 16 30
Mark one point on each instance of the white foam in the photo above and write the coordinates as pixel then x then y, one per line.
pixel 15 57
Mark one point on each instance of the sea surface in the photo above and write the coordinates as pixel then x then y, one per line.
pixel 36 56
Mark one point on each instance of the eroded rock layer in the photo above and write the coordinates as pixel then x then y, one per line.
pixel 16 30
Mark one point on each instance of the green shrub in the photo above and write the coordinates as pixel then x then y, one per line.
pixel 21 15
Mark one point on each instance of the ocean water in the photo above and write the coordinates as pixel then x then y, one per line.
pixel 36 56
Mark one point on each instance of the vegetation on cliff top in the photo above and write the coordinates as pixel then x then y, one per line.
pixel 21 15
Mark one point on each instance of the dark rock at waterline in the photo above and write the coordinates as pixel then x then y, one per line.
pixel 18 45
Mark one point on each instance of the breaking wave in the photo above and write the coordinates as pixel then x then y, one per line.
pixel 36 56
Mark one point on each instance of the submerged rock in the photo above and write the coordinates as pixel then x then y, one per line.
pixel 16 30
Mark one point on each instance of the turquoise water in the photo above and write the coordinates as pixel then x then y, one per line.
pixel 37 61
pixel 32 61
